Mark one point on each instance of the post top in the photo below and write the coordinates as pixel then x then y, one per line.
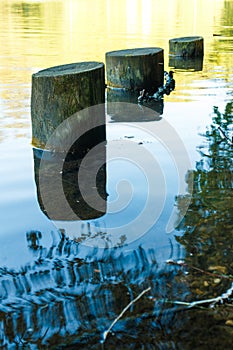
pixel 72 68
pixel 187 38
pixel 135 52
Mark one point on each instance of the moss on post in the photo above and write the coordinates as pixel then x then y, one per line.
pixel 191 46
pixel 134 69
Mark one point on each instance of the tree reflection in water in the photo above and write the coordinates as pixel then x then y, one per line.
pixel 207 229
pixel 208 224
pixel 61 297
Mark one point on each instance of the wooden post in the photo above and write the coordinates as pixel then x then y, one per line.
pixel 135 69
pixel 61 91
pixel 191 46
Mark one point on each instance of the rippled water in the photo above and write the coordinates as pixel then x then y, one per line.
pixel 56 287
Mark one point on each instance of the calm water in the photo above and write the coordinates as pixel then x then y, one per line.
pixel 44 272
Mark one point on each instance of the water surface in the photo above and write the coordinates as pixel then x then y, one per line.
pixel 56 285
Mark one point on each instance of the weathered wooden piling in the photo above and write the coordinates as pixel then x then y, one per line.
pixel 59 92
pixel 135 69
pixel 191 46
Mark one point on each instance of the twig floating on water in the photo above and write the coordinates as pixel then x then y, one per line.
pixel 213 274
pixel 122 313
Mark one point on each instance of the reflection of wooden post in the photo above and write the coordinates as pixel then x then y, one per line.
pixel 122 106
pixel 191 46
pixel 76 207
pixel 59 92
pixel 194 64
pixel 135 69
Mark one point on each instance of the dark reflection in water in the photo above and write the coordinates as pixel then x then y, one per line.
pixel 227 13
pixel 93 171
pixel 194 64
pixel 127 112
pixel 26 10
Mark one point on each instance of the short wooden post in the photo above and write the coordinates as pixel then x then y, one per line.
pixel 61 91
pixel 135 69
pixel 191 46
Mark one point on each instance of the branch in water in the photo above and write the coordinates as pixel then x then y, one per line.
pixel 123 311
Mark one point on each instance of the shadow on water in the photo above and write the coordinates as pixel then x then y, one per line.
pixel 69 295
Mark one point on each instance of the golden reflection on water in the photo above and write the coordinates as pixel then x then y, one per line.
pixel 55 32
pixel 40 34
